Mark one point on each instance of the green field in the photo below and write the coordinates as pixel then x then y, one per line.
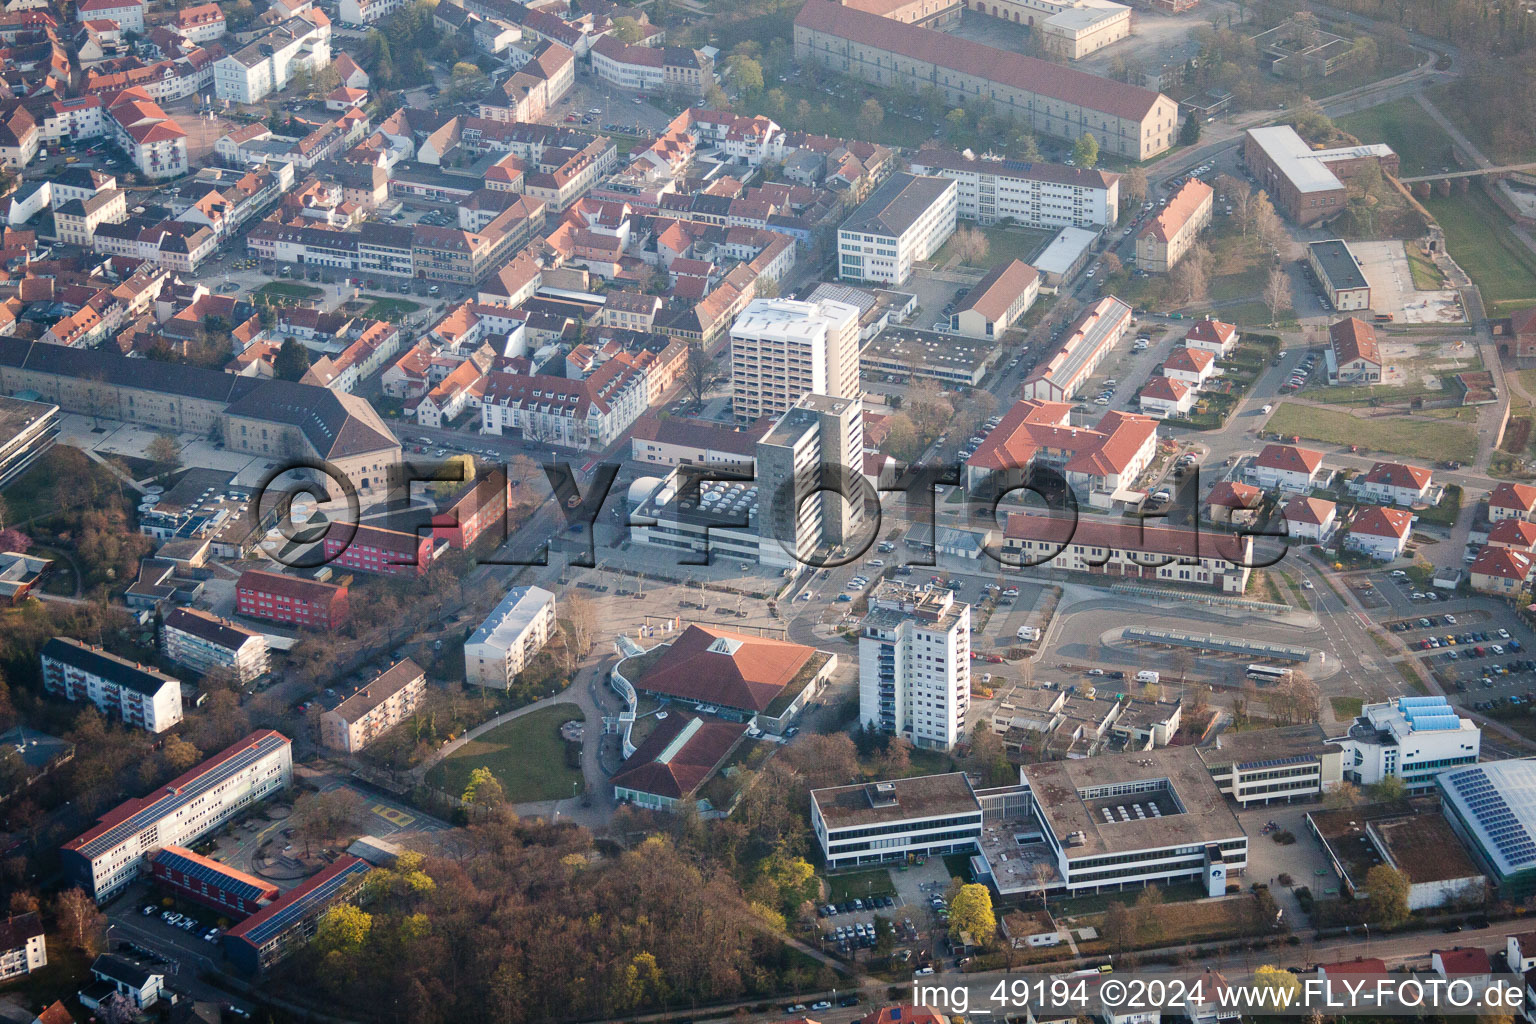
pixel 1477 236
pixel 526 754
pixel 856 885
pixel 383 308
pixel 1421 145
pixel 1003 244
pixel 1435 440
pixel 290 289
pixel 1345 707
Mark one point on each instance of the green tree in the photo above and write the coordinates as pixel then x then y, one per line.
pixel 747 73
pixel 291 361
pixel 484 789
pixel 1086 151
pixel 1389 789
pixel 1189 132
pixel 626 30
pixel 344 928
pixel 1280 980
pixel 467 80
pixel 871 117
pixel 1388 888
pixel 971 911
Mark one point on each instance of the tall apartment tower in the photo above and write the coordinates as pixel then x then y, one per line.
pixel 915 664
pixel 810 479
pixel 783 349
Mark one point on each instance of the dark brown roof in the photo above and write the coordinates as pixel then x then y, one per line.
pixel 1354 339
pixel 17 929
pixel 1026 73
pixel 388 683
pixel 678 757
pixel 208 627
pixel 287 586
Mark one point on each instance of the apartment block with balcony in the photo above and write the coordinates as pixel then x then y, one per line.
pixel 137 695
pixel 375 708
pixel 915 664
pixel 206 643
pixel 509 638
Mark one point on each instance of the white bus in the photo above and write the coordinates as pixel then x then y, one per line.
pixel 1268 674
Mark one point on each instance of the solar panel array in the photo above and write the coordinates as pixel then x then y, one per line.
pixel 283 916
pixel 169 802
pixel 215 875
pixel 1511 837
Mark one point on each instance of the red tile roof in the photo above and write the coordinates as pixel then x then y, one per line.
pixel 1505 563
pixel 1513 533
pixel 1290 458
pixel 1234 495
pixel 1025 73
pixel 1354 339
pixel 1396 474
pixel 1212 331
pixel 663 767
pixel 1165 388
pixel 1032 425
pixel 1188 360
pixel 1371 967
pixel 993 294
pixel 1171 220
pixel 1375 521
pixel 286 586
pixel 1121 535
pixel 1464 960
pixel 1517 496
pixel 719 666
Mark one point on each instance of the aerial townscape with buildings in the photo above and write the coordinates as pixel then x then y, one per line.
pixel 785 512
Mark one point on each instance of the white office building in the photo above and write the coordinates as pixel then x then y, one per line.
pixel 509 638
pixel 906 220
pixel 1411 738
pixel 1032 194
pixel 110 855
pixel 137 695
pixel 783 350
pixel 267 63
pixel 915 664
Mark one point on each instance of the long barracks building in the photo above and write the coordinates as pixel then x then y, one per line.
pixel 1127 120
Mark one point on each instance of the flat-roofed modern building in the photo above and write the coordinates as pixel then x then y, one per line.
pixel 1492 807
pixel 1142 818
pixel 27 431
pixel 135 694
pixel 206 643
pixel 375 708
pixel 906 220
pixel 1338 273
pixel 783 350
pixel 1266 765
pixel 810 480
pixel 289 922
pixel 1408 836
pixel 915 664
pixel 868 823
pixel 1030 193
pixel 1126 120
pixel 510 637
pixel 110 855
pixel 1411 738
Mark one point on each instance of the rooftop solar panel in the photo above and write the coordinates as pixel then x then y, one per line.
pixel 271 922
pixel 202 870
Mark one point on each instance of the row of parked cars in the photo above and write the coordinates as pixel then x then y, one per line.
pixel 974 441
pixel 185 922
pixel 855 906
pixel 1299 375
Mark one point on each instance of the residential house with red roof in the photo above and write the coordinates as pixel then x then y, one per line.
pixel 1213 336
pixel 1191 366
pixel 1163 397
pixel 1393 483
pixel 153 140
pixel 200 24
pixel 1354 355
pixel 1520 952
pixel 1310 519
pixel 1381 533
pixel 679 756
pixel 1501 571
pixel 1512 501
pixel 1467 964
pixel 1172 232
pixel 583 414
pixel 1513 533
pixel 1286 467
pixel 1233 502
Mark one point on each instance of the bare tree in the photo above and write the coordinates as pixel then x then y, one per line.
pixel 971 246
pixel 698 373
pixel 1190 279
pixel 580 617
pixel 1277 294
pixel 1134 182
pixel 81 922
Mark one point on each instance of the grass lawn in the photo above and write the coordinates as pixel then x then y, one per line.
pixel 856 885
pixel 1421 145
pixel 1478 237
pixel 1345 707
pixel 290 289
pixel 1004 244
pixel 526 754
pixel 382 308
pixel 1435 441
pixel 1426 275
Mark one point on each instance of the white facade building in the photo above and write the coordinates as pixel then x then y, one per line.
pixel 109 856
pixel 207 643
pixel 783 350
pixel 1035 195
pixel 266 64
pixel 904 221
pixel 509 638
pixel 1411 738
pixel 137 695
pixel 915 664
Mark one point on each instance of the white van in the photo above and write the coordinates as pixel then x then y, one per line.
pixel 1028 634
pixel 1147 676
